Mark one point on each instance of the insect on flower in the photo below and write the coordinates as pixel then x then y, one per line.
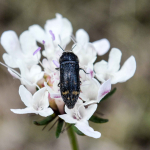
pixel 69 77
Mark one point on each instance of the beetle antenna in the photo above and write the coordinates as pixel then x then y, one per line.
pixel 73 47
pixel 60 47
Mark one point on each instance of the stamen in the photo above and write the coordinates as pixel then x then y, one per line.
pixel 43 42
pixel 39 48
pixel 73 39
pixel 56 63
pixel 52 34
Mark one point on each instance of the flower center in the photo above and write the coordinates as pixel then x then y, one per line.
pixel 76 115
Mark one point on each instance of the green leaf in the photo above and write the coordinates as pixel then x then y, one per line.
pixel 59 127
pixel 72 138
pixel 45 121
pixel 75 129
pixel 96 119
pixel 109 94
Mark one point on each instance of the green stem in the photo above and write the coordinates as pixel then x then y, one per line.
pixel 72 138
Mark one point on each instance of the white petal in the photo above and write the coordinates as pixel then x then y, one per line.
pixel 13 74
pixel 68 118
pixel 83 97
pixel 35 73
pixel 10 42
pixel 55 95
pixel 101 70
pixel 90 70
pixel 55 25
pixel 23 111
pixel 46 112
pixel 90 111
pixel 38 33
pixel 60 104
pixel 104 89
pixel 41 98
pixel 101 67
pixel 114 60
pixel 126 72
pixel 90 89
pixel 66 31
pixel 50 90
pixel 82 37
pixel 87 54
pixel 69 111
pixel 102 46
pixel 9 60
pixel 28 43
pixel 45 63
pixel 90 102
pixel 31 88
pixel 25 95
pixel 87 130
pixel 36 69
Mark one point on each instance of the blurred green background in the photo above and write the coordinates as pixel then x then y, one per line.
pixel 126 24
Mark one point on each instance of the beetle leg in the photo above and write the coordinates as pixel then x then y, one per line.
pixel 59 84
pixel 83 70
pixel 57 69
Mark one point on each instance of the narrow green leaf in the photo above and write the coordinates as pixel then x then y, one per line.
pixel 72 138
pixel 75 129
pixel 45 121
pixel 59 127
pixel 96 119
pixel 109 94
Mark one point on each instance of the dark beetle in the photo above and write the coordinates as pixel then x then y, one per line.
pixel 69 78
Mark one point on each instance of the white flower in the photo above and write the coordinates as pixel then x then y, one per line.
pixel 57 31
pixel 102 46
pixel 28 77
pixel 110 70
pixel 19 49
pixel 50 66
pixel 84 50
pixel 38 103
pixel 93 92
pixel 55 96
pixel 87 51
pixel 79 116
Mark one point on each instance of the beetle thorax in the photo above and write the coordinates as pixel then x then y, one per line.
pixel 68 56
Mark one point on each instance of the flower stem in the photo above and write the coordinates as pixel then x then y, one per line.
pixel 72 138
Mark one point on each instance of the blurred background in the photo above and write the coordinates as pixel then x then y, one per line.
pixel 126 24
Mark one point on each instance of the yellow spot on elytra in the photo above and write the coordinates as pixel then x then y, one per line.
pixel 66 92
pixel 75 93
pixel 68 98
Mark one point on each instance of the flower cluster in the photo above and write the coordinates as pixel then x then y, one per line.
pixel 39 89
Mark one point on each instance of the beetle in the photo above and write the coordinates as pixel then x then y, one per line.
pixel 69 78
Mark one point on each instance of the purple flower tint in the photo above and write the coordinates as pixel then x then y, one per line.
pixel 56 63
pixel 52 34
pixel 39 48
pixel 105 92
pixel 43 42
